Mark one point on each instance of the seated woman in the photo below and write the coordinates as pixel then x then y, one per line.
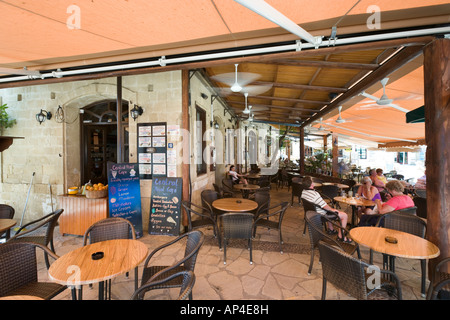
pixel 236 177
pixel 367 191
pixel 397 201
pixel 313 196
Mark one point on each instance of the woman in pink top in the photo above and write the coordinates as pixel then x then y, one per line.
pixel 397 200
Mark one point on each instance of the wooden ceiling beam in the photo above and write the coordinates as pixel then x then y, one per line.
pixel 300 86
pixel 294 100
pixel 325 64
pixel 273 106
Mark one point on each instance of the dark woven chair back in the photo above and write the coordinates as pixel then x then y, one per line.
pixel 6 211
pixel 40 230
pixel 218 189
pixel 308 206
pixel 263 200
pixel 208 197
pixel 19 274
pixel 421 205
pixel 187 283
pixel 315 227
pixel 440 281
pixel 227 185
pixel 404 222
pixel 343 271
pixel 237 225
pixel 330 190
pixel 193 244
pixel 109 229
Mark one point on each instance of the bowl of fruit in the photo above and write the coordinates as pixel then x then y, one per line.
pixel 98 190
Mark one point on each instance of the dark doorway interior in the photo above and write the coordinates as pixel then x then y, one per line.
pixel 99 139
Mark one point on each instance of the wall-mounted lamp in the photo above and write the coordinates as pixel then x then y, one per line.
pixel 204 96
pixel 216 125
pixel 136 112
pixel 41 116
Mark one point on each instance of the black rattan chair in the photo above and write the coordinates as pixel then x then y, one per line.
pixel 194 240
pixel 263 201
pixel 403 220
pixel 297 190
pixel 317 233
pixel 19 273
pixel 227 186
pixel 6 212
pixel 440 282
pixel 39 231
pixel 330 191
pixel 201 217
pixel 263 220
pixel 237 226
pixel 208 197
pixel 187 284
pixel 421 205
pixel 353 275
pixel 110 229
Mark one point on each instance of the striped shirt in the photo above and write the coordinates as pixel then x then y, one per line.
pixel 314 197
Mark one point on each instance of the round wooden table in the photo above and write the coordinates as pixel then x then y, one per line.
pixel 21 298
pixel 246 188
pixel 355 202
pixel 407 246
pixel 339 185
pixel 77 267
pixel 235 205
pixel 5 225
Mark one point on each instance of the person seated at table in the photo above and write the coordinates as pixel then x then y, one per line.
pixel 397 200
pixel 379 184
pixel 314 197
pixel 421 183
pixel 236 177
pixel 367 191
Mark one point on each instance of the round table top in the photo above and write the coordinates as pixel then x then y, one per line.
pixel 242 186
pixel 235 205
pixel 23 297
pixel 6 224
pixel 407 246
pixel 78 268
pixel 339 185
pixel 355 202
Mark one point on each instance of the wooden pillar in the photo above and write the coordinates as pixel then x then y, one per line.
pixel 185 171
pixel 302 151
pixel 437 136
pixel 335 153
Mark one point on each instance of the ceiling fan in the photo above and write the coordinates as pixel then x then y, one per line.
pixel 236 80
pixel 384 100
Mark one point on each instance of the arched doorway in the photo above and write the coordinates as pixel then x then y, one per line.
pixel 99 139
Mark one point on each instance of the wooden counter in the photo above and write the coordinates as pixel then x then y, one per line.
pixel 80 213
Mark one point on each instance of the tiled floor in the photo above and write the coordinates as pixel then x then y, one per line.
pixel 272 276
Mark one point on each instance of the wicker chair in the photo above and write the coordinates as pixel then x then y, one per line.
pixel 6 212
pixel 329 191
pixel 39 231
pixel 297 190
pixel 227 186
pixel 314 221
pixel 187 284
pixel 403 220
pixel 237 226
pixel 19 274
pixel 205 218
pixel 353 275
pixel 440 281
pixel 110 229
pixel 194 240
pixel 421 205
pixel 208 197
pixel 263 220
pixel 309 206
pixel 263 201
pixel 221 192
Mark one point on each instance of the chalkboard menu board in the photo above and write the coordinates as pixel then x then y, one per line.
pixel 165 206
pixel 152 149
pixel 125 193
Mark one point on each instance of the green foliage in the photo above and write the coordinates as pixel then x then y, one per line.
pixel 5 121
pixel 320 161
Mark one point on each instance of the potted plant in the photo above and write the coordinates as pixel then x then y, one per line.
pixel 5 120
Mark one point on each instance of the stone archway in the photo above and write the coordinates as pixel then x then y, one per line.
pixel 72 102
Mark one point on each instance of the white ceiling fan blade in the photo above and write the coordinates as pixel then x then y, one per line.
pixel 339 119
pixel 365 94
pixel 397 107
pixel 236 87
pixel 229 79
pixel 256 90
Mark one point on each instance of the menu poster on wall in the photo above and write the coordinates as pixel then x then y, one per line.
pixel 165 206
pixel 152 149
pixel 125 193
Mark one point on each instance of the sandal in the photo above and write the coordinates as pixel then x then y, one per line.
pixel 332 232
pixel 346 240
